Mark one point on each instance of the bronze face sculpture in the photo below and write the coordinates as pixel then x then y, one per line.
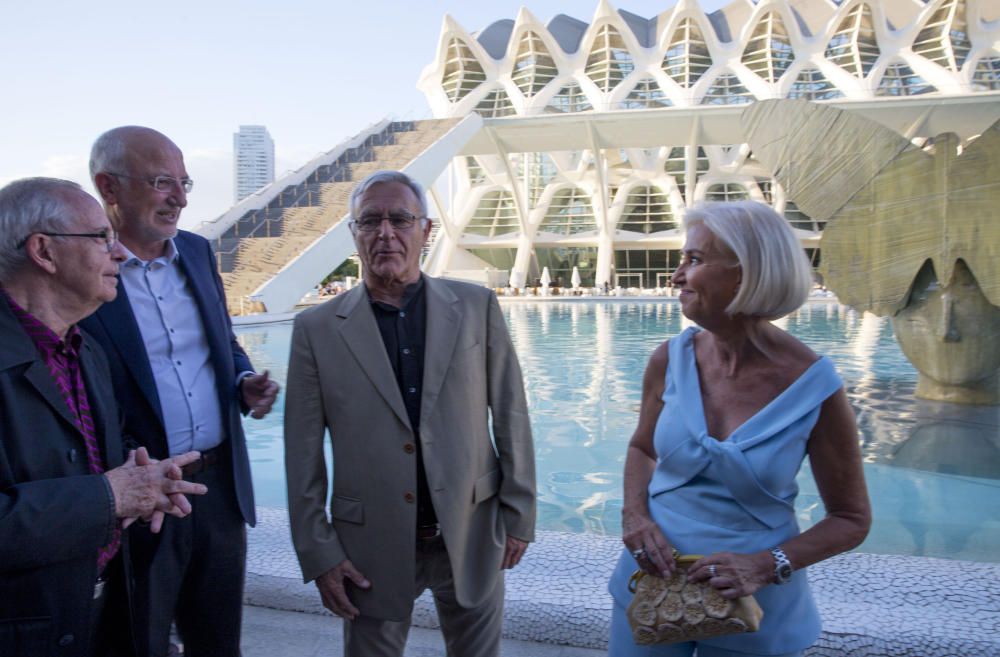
pixel 913 233
pixel 950 333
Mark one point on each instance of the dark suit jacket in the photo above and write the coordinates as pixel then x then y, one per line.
pixel 54 514
pixel 115 328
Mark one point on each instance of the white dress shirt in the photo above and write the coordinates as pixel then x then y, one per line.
pixel 167 314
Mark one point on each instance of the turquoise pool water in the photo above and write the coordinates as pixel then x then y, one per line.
pixel 933 469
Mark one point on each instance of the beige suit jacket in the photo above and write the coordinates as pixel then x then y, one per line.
pixel 340 380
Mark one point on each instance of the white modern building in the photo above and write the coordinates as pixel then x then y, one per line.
pixel 597 135
pixel 253 160
pixel 570 144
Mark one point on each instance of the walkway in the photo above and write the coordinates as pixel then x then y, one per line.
pixel 269 632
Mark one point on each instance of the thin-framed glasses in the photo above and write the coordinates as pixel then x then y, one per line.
pixel 109 236
pixel 369 223
pixel 162 184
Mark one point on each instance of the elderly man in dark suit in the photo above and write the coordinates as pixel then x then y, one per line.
pixel 416 381
pixel 182 380
pixel 66 489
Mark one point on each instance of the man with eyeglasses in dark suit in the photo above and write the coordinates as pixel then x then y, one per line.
pixel 183 381
pixel 67 489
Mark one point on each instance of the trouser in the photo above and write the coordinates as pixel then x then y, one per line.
pixel 620 644
pixel 468 632
pixel 111 627
pixel 192 572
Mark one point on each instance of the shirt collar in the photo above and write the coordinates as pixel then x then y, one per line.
pixel 410 293
pixel 168 258
pixel 45 338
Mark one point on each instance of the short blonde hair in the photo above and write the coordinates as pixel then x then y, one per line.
pixel 777 275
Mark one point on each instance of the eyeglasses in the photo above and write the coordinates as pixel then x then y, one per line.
pixel 162 184
pixel 369 223
pixel 110 237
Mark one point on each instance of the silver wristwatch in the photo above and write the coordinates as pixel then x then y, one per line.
pixel 782 566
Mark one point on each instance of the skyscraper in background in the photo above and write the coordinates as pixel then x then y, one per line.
pixel 253 160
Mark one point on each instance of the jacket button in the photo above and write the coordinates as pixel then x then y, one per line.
pixel 409 497
pixel 71 455
pixel 65 640
pixel 409 448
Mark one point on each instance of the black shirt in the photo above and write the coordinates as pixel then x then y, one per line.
pixel 404 333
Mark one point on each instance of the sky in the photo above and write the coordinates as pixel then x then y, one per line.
pixel 315 72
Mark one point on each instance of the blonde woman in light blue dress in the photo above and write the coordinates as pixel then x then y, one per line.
pixel 730 410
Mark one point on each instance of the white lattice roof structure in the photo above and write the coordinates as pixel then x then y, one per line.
pixel 598 135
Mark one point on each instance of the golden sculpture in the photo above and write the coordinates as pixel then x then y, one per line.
pixel 902 218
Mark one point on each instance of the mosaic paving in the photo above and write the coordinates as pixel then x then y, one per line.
pixel 872 605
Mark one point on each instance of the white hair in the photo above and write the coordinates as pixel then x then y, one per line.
pixel 32 205
pixel 777 275
pixel 387 176
pixel 108 152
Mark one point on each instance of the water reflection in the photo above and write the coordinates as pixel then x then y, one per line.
pixel 933 469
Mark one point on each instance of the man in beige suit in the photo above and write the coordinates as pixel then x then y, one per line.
pixel 407 373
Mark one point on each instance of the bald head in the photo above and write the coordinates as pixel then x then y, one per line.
pixel 111 151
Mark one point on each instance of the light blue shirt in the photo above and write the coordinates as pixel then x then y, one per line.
pixel 167 314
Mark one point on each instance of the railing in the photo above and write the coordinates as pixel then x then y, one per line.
pixel 215 227
pixel 264 240
pixel 339 171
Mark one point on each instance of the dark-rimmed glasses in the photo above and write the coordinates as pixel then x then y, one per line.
pixel 109 236
pixel 371 222
pixel 161 184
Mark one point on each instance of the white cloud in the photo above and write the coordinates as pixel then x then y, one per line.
pixel 68 167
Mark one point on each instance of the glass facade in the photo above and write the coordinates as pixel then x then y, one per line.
pixel 687 57
pixel 497 104
pixel 726 192
pixel 854 46
pixel 944 39
pixel 570 99
pixel 900 80
pixel 647 210
pixel 560 261
pixel 811 84
pixel 645 94
pixel 495 215
pixel 462 71
pixel 533 67
pixel 987 74
pixel 570 212
pixel 626 201
pixel 610 60
pixel 769 51
pixel 727 90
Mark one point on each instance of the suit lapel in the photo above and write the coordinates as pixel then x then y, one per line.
pixel 199 278
pixel 361 334
pixel 119 322
pixel 443 321
pixel 19 349
pixel 97 392
pixel 39 376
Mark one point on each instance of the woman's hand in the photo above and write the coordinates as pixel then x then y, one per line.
pixel 650 548
pixel 734 575
pixel 641 536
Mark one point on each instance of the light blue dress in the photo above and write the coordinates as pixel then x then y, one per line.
pixel 736 495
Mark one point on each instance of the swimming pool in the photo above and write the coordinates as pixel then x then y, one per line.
pixel 933 469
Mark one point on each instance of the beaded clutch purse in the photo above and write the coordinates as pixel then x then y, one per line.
pixel 673 610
